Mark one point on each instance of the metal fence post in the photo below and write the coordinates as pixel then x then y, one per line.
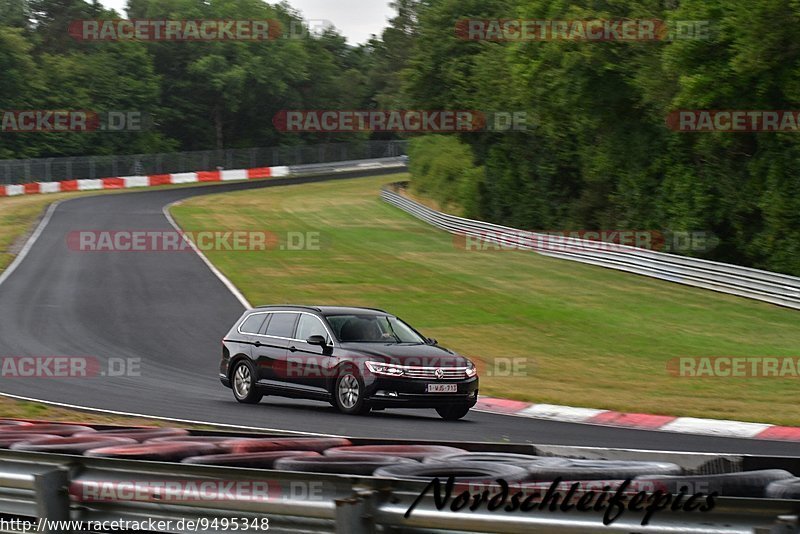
pixel 52 495
pixel 354 515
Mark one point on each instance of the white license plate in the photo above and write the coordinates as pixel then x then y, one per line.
pixel 442 388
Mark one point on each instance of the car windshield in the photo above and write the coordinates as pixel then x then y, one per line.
pixel 373 329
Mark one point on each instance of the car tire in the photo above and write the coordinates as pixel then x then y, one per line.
pixel 57 429
pixel 12 422
pixel 362 464
pixel 453 413
pixel 70 445
pixel 462 472
pixel 788 488
pixel 243 445
pixel 753 484
pixel 216 440
pixel 6 440
pixel 138 434
pixel 243 383
pixel 550 468
pixel 414 452
pixel 499 457
pixel 348 394
pixel 252 460
pixel 173 451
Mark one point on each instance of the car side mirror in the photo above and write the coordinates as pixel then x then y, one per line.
pixel 432 341
pixel 317 340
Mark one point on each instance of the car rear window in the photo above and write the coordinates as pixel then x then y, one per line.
pixel 282 324
pixel 252 325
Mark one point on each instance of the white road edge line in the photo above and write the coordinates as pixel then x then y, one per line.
pixel 170 419
pixel 224 279
pixel 30 242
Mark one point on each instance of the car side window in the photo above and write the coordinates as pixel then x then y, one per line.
pixel 252 325
pixel 310 326
pixel 282 324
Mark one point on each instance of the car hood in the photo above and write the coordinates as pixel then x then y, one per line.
pixel 406 354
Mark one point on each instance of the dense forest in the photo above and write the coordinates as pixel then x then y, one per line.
pixel 195 95
pixel 600 155
pixel 597 153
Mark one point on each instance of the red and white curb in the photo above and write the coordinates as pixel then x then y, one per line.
pixel 666 423
pixel 129 182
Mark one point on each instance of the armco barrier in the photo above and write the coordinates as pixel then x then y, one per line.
pixel 129 182
pixel 780 289
pixel 19 171
pixel 222 175
pixel 55 486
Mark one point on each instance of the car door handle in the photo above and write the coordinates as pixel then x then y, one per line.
pixel 257 343
pixel 292 349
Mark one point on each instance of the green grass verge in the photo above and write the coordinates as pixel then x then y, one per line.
pixel 590 336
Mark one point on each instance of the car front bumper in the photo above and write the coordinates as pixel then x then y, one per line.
pixel 412 393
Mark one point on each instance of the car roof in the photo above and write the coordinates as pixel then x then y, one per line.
pixel 326 310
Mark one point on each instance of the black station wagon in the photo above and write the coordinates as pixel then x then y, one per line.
pixel 357 359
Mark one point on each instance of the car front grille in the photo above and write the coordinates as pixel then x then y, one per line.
pixel 429 373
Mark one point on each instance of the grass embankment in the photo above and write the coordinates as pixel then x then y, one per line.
pixel 17 217
pixel 590 336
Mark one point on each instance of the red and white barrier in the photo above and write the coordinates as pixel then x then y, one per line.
pixel 665 423
pixel 153 180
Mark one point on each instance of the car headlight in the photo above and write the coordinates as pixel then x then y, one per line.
pixel 471 370
pixel 386 369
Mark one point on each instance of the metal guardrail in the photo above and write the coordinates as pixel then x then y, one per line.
pixel 358 165
pixel 21 171
pixel 775 288
pixel 37 485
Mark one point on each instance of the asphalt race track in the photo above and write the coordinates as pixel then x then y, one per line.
pixel 169 310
